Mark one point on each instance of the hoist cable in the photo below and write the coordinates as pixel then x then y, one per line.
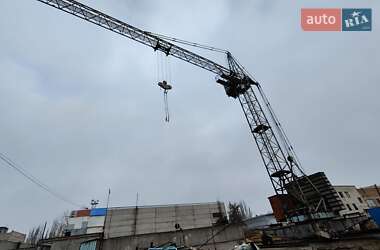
pixel 167 115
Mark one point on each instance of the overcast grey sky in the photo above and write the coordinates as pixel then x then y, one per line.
pixel 81 111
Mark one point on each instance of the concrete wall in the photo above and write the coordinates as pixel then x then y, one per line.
pixel 157 219
pixel 68 243
pixel 346 244
pixel 226 240
pixel 352 200
pixel 7 245
pixel 12 236
pixel 73 244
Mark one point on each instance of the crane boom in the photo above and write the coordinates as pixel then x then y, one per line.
pixel 94 16
pixel 276 152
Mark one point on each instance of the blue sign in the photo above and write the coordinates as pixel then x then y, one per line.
pixel 356 19
pixel 375 214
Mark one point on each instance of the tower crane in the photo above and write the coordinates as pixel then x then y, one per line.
pixel 281 163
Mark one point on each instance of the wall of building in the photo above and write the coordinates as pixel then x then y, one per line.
pixel 346 244
pixel 8 245
pixel 12 236
pixel 352 200
pixel 226 237
pixel 68 243
pixel 225 240
pixel 371 195
pixel 128 221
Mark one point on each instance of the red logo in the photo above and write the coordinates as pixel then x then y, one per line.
pixel 321 19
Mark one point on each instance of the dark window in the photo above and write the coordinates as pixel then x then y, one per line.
pixel 360 200
pixel 216 215
pixel 354 205
pixel 341 195
pixel 378 201
pixel 347 194
pixel 349 208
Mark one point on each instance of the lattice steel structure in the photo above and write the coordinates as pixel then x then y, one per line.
pixel 275 149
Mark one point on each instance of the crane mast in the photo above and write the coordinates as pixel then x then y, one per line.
pixel 275 149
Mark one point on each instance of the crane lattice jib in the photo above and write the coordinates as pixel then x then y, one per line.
pixel 279 160
pixel 94 16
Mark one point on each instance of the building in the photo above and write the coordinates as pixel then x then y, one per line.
pixel 185 225
pixel 353 202
pixel 371 195
pixel 286 207
pixel 12 236
pixel 11 240
pixel 127 221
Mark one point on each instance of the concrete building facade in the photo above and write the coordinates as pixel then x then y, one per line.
pixel 12 236
pixel 12 239
pixel 353 202
pixel 128 221
pixel 371 195
pixel 133 228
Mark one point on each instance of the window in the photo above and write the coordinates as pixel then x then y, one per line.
pixel 378 201
pixel 341 195
pixel 347 194
pixel 89 245
pixel 371 203
pixel 216 215
pixel 354 205
pixel 360 200
pixel 348 206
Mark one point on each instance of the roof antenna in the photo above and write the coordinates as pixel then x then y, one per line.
pixel 94 203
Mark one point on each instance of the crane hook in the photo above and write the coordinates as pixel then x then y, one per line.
pixel 166 87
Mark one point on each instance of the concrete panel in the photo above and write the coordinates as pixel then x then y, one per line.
pixel 186 217
pixel 146 216
pixel 97 221
pixel 77 222
pixel 123 211
pixel 93 230
pixel 163 210
pixel 164 219
pixel 194 237
pixel 117 223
